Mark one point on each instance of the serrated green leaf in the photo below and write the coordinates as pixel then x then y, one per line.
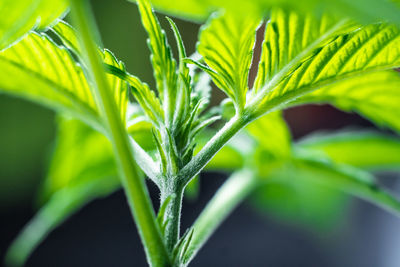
pixel 143 94
pixel 179 42
pixel 148 100
pixel 226 44
pixel 375 96
pixel 164 65
pixel 119 87
pixel 370 48
pixel 290 37
pixel 51 76
pixel 18 17
pixel 197 127
pixel 68 35
pixel 184 86
pixel 368 150
pixel 161 152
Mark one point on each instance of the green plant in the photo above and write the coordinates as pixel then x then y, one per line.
pixel 346 60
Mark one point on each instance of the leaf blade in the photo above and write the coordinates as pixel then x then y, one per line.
pixel 373 95
pixel 18 17
pixel 226 44
pixel 369 48
pixel 164 65
pixel 50 76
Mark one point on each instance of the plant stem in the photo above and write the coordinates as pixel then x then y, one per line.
pixel 132 183
pixel 172 212
pixel 231 128
pixel 227 198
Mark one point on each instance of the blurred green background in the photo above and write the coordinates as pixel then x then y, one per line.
pixel 26 138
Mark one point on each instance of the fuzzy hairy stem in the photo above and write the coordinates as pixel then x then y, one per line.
pixel 133 184
pixel 173 212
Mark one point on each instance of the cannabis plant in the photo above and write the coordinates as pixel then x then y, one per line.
pixel 115 131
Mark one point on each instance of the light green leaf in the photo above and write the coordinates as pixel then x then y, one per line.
pixel 18 17
pixel 68 35
pixel 139 128
pixel 143 94
pixel 375 96
pixel 184 87
pixel 164 65
pixel 69 38
pixel 119 87
pixel 369 150
pixel 39 70
pixel 292 36
pixel 368 49
pixel 226 43
pixel 81 170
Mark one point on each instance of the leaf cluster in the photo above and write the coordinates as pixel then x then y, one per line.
pixel 306 58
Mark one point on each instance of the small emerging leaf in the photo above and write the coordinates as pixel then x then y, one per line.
pixel 164 65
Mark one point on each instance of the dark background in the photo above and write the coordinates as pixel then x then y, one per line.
pixel 103 234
